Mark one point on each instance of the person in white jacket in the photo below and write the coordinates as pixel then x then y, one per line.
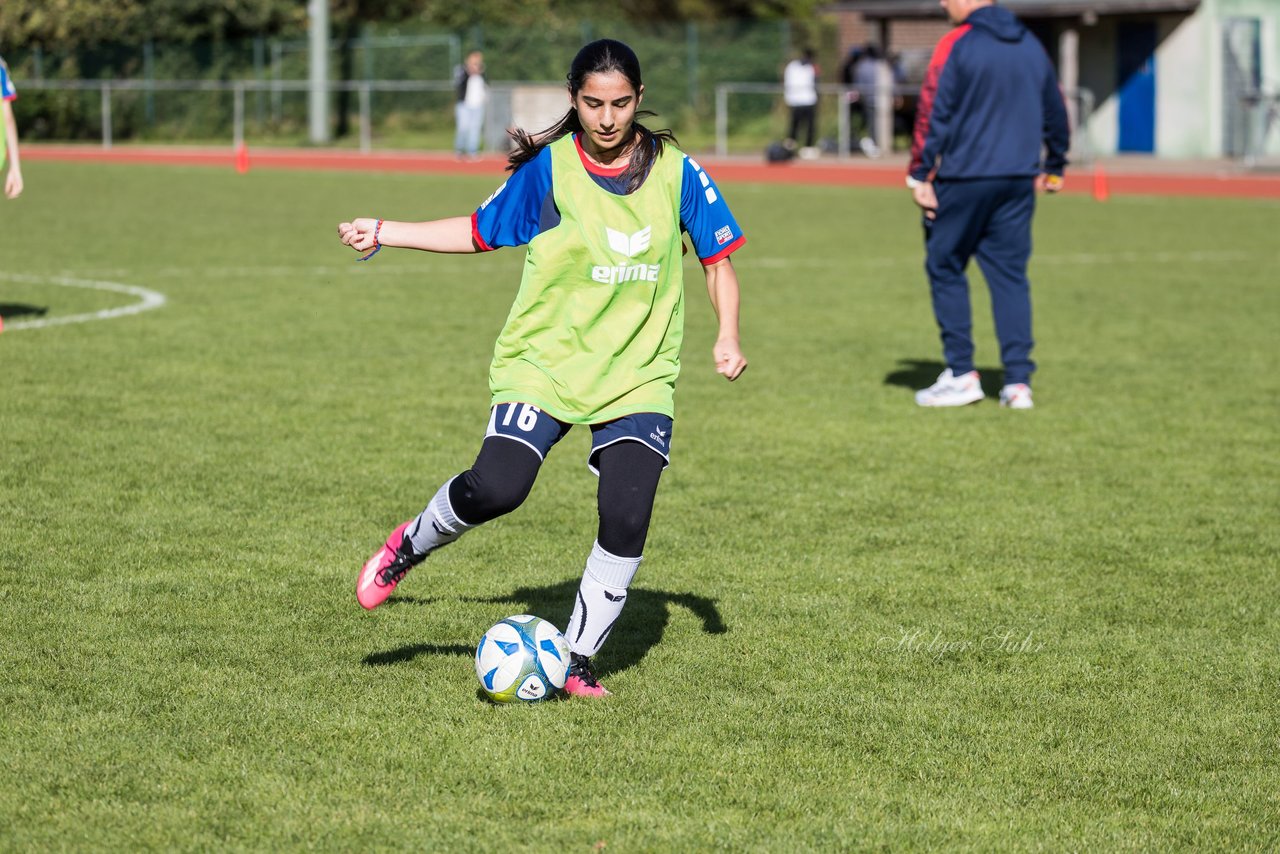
pixel 800 93
pixel 472 96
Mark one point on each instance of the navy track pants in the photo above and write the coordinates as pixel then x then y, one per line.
pixel 989 218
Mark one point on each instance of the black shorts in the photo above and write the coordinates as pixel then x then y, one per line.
pixel 526 423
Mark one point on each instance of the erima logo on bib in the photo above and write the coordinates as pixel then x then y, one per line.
pixel 629 245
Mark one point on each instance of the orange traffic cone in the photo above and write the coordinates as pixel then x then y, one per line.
pixel 242 158
pixel 1100 190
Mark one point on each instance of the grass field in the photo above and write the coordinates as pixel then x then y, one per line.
pixel 859 624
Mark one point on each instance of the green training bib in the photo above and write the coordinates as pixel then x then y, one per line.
pixel 596 327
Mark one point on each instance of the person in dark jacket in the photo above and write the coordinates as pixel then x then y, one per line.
pixel 990 105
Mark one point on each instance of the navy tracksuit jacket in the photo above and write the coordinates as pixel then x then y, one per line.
pixel 990 119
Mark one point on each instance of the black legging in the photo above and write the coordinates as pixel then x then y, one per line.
pixel 504 471
pixel 805 117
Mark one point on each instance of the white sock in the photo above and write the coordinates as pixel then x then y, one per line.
pixel 601 596
pixel 437 525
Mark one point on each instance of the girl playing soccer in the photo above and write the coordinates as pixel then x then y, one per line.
pixel 593 337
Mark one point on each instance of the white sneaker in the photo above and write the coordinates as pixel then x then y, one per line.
pixel 869 147
pixel 951 390
pixel 1016 396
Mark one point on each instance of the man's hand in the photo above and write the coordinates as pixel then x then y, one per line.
pixel 1049 183
pixel 924 196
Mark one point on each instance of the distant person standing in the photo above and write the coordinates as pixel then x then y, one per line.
pixel 866 79
pixel 472 96
pixel 800 93
pixel 853 97
pixel 989 104
pixel 9 141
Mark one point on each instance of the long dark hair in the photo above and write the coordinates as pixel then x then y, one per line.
pixel 599 57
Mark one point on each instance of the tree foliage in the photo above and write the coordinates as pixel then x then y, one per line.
pixel 714 10
pixel 77 23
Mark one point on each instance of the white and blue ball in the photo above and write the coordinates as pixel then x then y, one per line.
pixel 522 659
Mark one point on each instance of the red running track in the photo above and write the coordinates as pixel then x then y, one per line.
pixel 1126 182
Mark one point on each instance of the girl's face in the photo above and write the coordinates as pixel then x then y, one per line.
pixel 606 106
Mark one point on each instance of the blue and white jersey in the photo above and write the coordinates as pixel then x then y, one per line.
pixel 7 90
pixel 524 206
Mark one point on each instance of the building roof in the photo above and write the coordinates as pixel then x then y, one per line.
pixel 1022 8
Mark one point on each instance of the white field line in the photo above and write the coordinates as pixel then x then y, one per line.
pixel 149 299
pixel 432 268
pixel 428 270
pixel 1192 256
pixel 1207 256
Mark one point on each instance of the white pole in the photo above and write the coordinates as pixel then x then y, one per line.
pixel 277 72
pixel 366 120
pixel 1069 78
pixel 106 115
pixel 842 124
pixel 318 10
pixel 237 117
pixel 722 120
pixel 884 106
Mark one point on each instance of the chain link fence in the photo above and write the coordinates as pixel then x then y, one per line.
pixel 184 93
pixel 716 85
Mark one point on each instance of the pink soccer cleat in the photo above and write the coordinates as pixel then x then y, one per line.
pixel 383 571
pixel 582 681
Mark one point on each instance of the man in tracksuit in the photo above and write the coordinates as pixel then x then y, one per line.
pixel 989 102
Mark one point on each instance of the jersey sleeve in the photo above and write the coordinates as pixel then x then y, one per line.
pixel 511 216
pixel 706 217
pixel 7 90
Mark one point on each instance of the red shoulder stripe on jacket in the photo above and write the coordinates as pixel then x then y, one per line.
pixel 928 91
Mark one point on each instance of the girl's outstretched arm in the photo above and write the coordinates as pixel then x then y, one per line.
pixel 440 235
pixel 722 286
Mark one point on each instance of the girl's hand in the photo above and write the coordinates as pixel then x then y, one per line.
pixel 359 233
pixel 13 184
pixel 730 363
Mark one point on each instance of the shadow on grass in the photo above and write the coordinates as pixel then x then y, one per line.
pixel 396 601
pixel 916 374
pixel 639 629
pixel 412 651
pixel 20 309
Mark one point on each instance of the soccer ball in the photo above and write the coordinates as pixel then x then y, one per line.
pixel 522 659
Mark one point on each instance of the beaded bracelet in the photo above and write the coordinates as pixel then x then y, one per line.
pixel 377 245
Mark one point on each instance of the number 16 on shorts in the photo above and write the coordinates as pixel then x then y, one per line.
pixel 525 423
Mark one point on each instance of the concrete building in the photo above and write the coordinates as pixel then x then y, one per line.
pixel 1171 78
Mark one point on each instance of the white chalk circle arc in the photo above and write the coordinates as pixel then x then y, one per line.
pixel 147 300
